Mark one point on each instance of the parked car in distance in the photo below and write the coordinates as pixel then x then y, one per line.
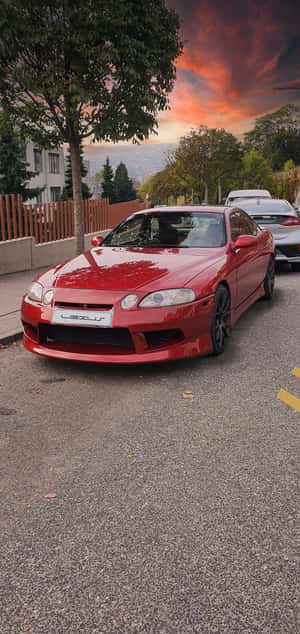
pixel 241 194
pixel 167 283
pixel 279 217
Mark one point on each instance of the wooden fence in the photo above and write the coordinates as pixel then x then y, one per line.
pixel 47 222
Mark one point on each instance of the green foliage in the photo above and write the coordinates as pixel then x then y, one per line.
pixel 288 182
pixel 108 185
pixel 68 188
pixel 256 172
pixel 99 174
pixel 208 157
pixel 289 165
pixel 123 187
pixel 73 70
pixel 276 136
pixel 14 173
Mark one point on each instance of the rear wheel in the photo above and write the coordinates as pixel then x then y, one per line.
pixel 296 266
pixel 269 281
pixel 220 327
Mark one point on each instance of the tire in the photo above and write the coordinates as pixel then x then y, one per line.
pixel 269 281
pixel 295 267
pixel 220 327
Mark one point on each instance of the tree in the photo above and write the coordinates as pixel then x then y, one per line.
pixel 276 136
pixel 14 173
pixel 256 172
pixel 68 188
pixel 123 187
pixel 87 69
pixel 108 185
pixel 211 157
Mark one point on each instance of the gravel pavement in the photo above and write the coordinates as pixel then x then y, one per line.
pixel 171 514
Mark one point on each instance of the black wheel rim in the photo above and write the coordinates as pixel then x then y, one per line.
pixel 222 321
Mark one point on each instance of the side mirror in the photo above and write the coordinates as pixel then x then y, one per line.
pixel 244 242
pixel 97 240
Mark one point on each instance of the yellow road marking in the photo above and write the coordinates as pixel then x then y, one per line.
pixel 289 399
pixel 296 372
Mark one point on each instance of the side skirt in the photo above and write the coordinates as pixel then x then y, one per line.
pixel 237 312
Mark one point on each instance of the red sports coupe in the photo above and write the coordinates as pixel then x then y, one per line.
pixel 167 283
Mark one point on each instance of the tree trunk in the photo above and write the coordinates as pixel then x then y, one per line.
pixel 206 193
pixel 219 192
pixel 77 196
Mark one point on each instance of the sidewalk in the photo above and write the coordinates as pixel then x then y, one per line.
pixel 12 289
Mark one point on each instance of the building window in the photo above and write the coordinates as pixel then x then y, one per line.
pixel 37 154
pixel 54 194
pixel 53 163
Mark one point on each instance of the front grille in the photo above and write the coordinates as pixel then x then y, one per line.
pixel 290 250
pixel 108 337
pixel 83 306
pixel 162 337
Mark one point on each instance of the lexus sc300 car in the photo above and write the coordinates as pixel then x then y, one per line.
pixel 167 283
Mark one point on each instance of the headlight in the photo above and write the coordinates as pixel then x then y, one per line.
pixel 47 299
pixel 169 297
pixel 35 292
pixel 129 301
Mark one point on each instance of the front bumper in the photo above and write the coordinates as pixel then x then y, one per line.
pixel 137 336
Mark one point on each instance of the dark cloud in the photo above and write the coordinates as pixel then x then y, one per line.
pixel 237 54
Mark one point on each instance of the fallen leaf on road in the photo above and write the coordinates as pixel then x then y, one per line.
pixel 15 343
pixel 130 455
pixel 49 496
pixel 163 379
pixel 146 468
pixel 187 394
pixel 55 438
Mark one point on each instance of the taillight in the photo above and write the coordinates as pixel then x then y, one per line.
pixel 290 221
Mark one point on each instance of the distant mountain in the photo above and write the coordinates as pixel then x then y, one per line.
pixel 141 160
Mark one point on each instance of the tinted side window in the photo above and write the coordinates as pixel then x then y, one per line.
pixel 241 224
pixel 235 225
pixel 248 227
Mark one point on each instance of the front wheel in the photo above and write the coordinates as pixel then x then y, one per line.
pixel 269 281
pixel 220 327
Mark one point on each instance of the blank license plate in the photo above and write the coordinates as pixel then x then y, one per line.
pixel 102 319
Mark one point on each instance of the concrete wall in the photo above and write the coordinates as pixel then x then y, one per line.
pixel 23 254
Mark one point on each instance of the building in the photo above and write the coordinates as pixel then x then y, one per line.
pixel 93 182
pixel 51 172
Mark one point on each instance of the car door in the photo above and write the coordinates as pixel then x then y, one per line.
pixel 246 260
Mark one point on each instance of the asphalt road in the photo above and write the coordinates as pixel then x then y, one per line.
pixel 172 514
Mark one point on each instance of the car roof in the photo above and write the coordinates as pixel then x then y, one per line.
pixel 268 205
pixel 219 209
pixel 249 193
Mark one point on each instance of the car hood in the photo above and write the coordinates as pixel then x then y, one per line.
pixel 124 269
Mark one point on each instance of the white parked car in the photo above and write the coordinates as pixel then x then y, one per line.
pixel 241 194
pixel 281 219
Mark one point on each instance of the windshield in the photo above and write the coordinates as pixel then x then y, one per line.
pixel 170 229
pixel 249 196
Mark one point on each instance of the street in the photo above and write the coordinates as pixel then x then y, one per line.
pixel 173 488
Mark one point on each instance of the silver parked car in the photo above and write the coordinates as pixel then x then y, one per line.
pixel 279 217
pixel 236 195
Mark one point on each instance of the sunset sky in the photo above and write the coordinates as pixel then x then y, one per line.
pixel 241 60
